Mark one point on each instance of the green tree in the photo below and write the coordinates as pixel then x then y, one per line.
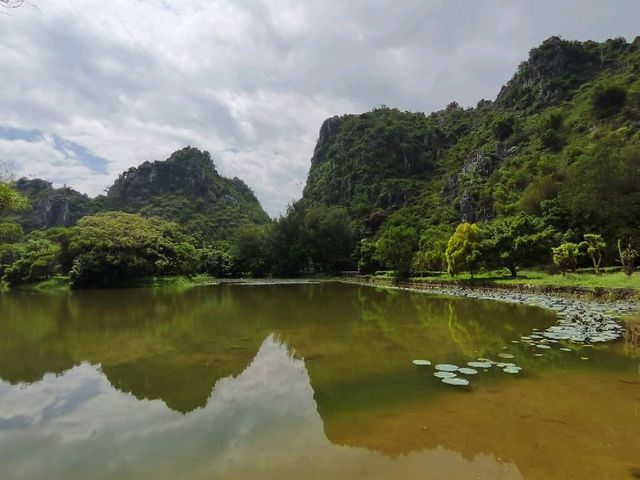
pixel 250 251
pixel 10 199
pixel 464 249
pixel 432 247
pixel 366 255
pixel 110 248
pixel 566 256
pixel 395 249
pixel 288 253
pixel 502 127
pixel 607 99
pixel 37 259
pixel 628 255
pixel 10 233
pixel 217 260
pixel 329 237
pixel 595 246
pixel 515 242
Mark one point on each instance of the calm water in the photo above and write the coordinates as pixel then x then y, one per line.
pixel 298 382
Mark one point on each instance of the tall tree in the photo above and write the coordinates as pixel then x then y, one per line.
pixel 395 249
pixel 595 246
pixel 521 241
pixel 463 249
pixel 566 256
pixel 10 199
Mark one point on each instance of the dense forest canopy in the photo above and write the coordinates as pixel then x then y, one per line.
pixel 547 172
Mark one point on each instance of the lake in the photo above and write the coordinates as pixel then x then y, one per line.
pixel 303 381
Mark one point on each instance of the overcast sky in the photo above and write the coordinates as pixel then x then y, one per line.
pixel 92 87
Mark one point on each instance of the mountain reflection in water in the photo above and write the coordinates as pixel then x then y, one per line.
pixel 263 423
pixel 300 381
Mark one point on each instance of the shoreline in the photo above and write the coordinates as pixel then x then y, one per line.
pixel 579 320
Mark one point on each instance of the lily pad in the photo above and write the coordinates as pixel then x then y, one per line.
pixel 446 367
pixel 505 355
pixel 479 364
pixel 564 349
pixel 538 355
pixel 511 370
pixel 468 371
pixel 543 346
pixel 421 362
pixel 456 381
pixel 444 374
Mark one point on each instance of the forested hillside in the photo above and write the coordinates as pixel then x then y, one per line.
pixel 548 173
pixel 560 143
pixel 185 188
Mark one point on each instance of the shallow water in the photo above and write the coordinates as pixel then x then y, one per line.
pixel 302 381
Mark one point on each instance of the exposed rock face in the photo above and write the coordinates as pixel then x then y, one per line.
pixel 466 184
pixel 187 189
pixel 187 172
pixel 556 69
pixel 51 207
pixel 328 132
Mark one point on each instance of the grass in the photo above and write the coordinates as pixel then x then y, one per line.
pixel 610 279
pixel 61 282
pixel 177 281
pixel 57 282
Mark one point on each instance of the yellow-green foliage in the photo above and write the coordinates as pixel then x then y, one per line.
pixel 463 250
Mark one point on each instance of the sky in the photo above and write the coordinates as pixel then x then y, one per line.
pixel 89 88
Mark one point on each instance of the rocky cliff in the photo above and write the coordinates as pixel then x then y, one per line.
pixel 185 188
pixel 533 149
pixel 51 207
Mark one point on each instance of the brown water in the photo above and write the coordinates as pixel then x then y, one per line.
pixel 301 382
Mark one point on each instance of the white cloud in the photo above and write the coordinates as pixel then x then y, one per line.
pixel 251 81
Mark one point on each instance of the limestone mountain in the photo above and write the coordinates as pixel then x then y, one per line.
pixel 185 188
pixel 51 207
pixel 561 141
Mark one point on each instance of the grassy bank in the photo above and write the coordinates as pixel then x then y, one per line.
pixel 609 285
pixel 61 282
pixel 607 279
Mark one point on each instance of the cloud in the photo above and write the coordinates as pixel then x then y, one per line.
pixel 252 80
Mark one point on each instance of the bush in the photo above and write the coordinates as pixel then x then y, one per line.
pixel 32 261
pixel 607 100
pixel 111 248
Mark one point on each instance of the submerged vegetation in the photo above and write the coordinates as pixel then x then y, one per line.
pixel 546 176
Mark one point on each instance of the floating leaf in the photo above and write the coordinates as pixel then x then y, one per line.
pixel 456 381
pixel 421 362
pixel 511 369
pixel 444 374
pixel 468 371
pixel 505 355
pixel 479 364
pixel 446 367
pixel 543 346
pixel 565 349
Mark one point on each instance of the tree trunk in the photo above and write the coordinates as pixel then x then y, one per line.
pixel 514 271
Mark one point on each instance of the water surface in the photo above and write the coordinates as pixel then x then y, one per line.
pixel 301 381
